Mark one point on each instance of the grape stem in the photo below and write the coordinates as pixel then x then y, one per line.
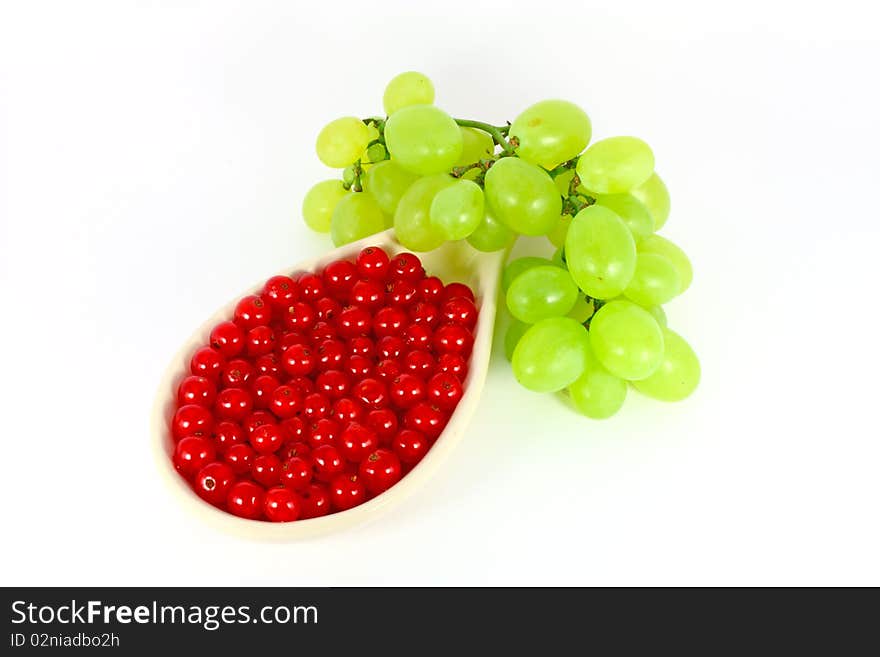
pixel 498 133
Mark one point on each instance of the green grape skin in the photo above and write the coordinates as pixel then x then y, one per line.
pixel 654 282
pixel 356 216
pixel 457 210
pixel 563 181
pixel 658 314
pixel 634 214
pixel 342 142
pixel 659 245
pixel 559 232
pixel 597 394
pixel 615 165
pixel 512 336
pixel 540 293
pixel 583 309
pixel 600 252
pixel 410 88
pixel 319 203
pixel 423 139
pixel 558 257
pixel 627 340
pixel 476 145
pixel 375 154
pixel 523 196
pixel 551 132
pixel 412 222
pixel 655 197
pixel 491 234
pixel 516 267
pixel 387 183
pixel 678 374
pixel 551 355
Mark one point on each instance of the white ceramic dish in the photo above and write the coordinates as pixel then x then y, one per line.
pixel 454 261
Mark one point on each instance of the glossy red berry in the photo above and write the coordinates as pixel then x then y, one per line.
pixel 196 390
pixel 367 294
pixel 353 321
pixel 333 383
pixel 207 362
pixel 407 266
pixel 372 393
pixel 285 402
pixel 299 316
pixel 322 331
pixel 302 384
pixel 259 340
pixel 361 346
pixel 424 312
pixel 267 439
pixel 268 364
pixel 401 293
pixel 192 420
pixel 427 418
pixel 339 277
pixel 227 434
pixel 236 373
pixel 390 347
pixel 460 310
pixel 299 360
pixel 327 462
pixel 311 287
pixel 418 336
pixel 294 450
pixel 407 390
pixel 453 339
pixel 288 339
pixel 358 367
pixel 327 309
pixel 454 364
pixel 213 481
pixel 239 458
pixel 323 432
pixel 419 362
pixel 281 504
pixel 331 355
pixel 245 499
pixel 410 446
pixel 444 390
pixel 347 491
pixel 454 290
pixel 430 289
pixel 384 422
pixel 228 339
pixel 266 469
pixel 295 433
pixel 261 390
pixel 193 453
pixel 373 263
pixel 356 441
pixel 387 370
pixel 347 410
pixel 252 311
pixel 233 404
pixel 280 292
pixel 380 470
pixel 256 420
pixel 296 473
pixel 315 501
pixel 389 320
pixel 315 406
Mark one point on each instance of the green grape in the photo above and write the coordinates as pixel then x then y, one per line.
pixel 423 139
pixel 627 340
pixel 457 210
pixel 559 232
pixel 598 394
pixel 616 165
pixel 558 258
pixel 516 267
pixel 476 145
pixel 541 292
pixel 551 132
pixel 658 314
pixel 655 197
pixel 654 282
pixel 634 214
pixel 491 234
pixel 523 196
pixel 410 88
pixel 563 181
pixel 319 203
pixel 387 182
pixel 356 216
pixel 661 246
pixel 551 354
pixel 512 337
pixel 348 175
pixel 375 154
pixel 600 252
pixel 412 222
pixel 678 374
pixel 583 309
pixel 342 142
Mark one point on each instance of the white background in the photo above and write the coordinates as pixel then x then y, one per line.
pixel 154 157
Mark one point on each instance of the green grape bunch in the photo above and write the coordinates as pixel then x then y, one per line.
pixel 588 322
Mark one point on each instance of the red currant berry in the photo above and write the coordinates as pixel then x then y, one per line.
pixel 408 267
pixel 259 340
pixel 373 263
pixel 347 491
pixel 444 390
pixel 327 309
pixel 380 470
pixel 358 367
pixel 196 390
pixel 228 339
pixel 267 439
pixel 302 384
pixel 289 339
pixel 384 422
pixel 207 362
pixel 327 462
pixel 454 364
pixel 459 310
pixel 281 505
pixel 296 473
pixel 323 432
pixel 333 383
pixel 239 458
pixel 424 312
pixel 361 346
pixel 401 293
pixel 410 446
pixel 356 441
pixel 315 406
pixel 266 470
pixel 299 316
pixel 298 360
pixel 407 390
pixel 390 347
pixel 245 499
pixel 420 363
pixel 331 355
pixel 256 420
pixel 427 418
pixel 311 287
pixel 268 364
pixel 192 454
pixel 390 320
pixel 339 277
pixel 236 373
pixel 191 420
pixel 252 311
pixel 388 369
pixel 294 430
pixel 367 294
pixel 322 331
pixel 315 501
pixel 430 289
pixel 454 290
pixel 353 321
pixel 453 339
pixel 372 393
pixel 227 434
pixel 418 336
pixel 285 402
pixel 233 404
pixel 280 292
pixel 347 410
pixel 262 389
pixel 212 483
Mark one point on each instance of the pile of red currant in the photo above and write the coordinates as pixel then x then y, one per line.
pixel 325 389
